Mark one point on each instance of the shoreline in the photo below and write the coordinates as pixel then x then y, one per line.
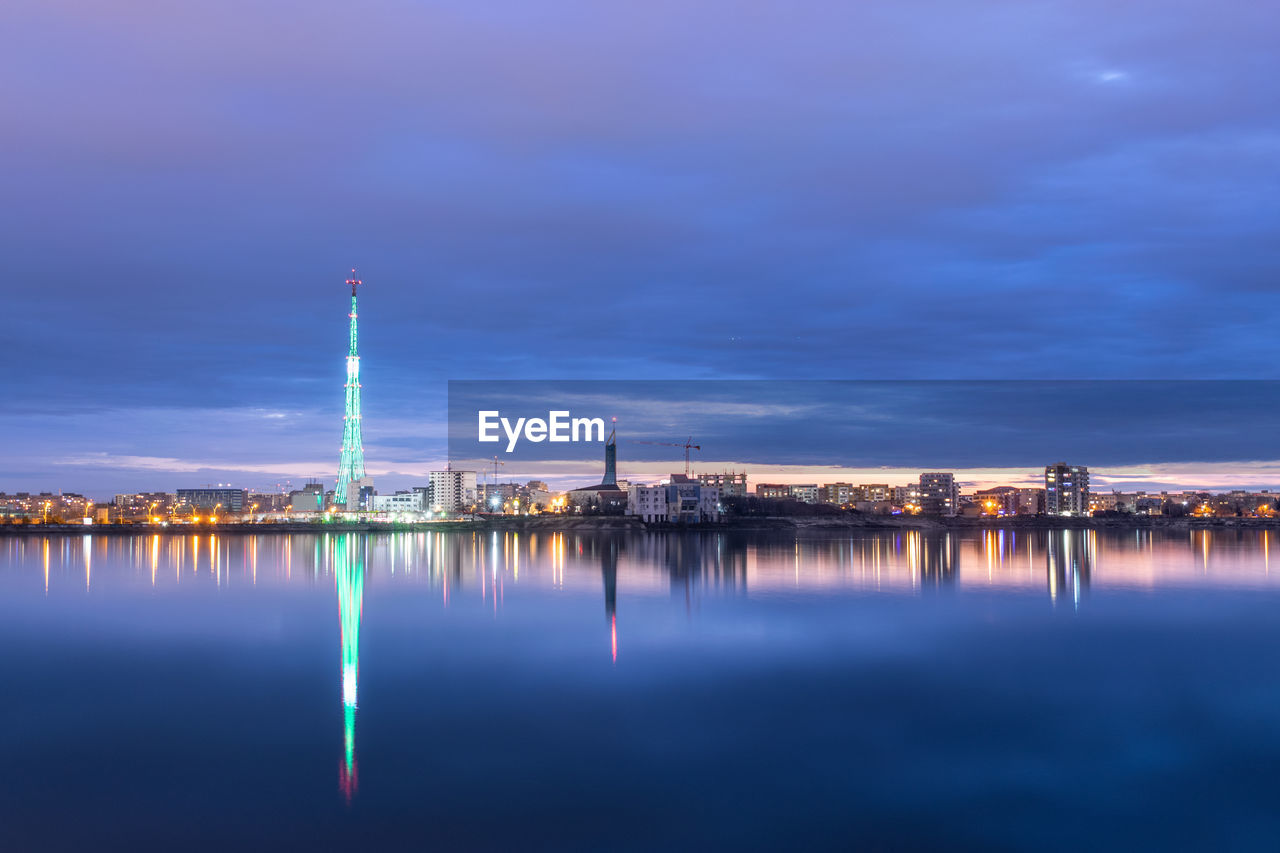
pixel 621 524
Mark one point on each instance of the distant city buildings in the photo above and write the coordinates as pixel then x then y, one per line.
pixel 456 489
pixel 45 506
pixel 731 484
pixel 144 505
pixel 501 497
pixel 938 494
pixel 805 493
pixel 223 499
pixel 839 494
pixel 773 491
pixel 268 501
pixel 875 493
pixel 903 496
pixel 310 498
pixel 1066 489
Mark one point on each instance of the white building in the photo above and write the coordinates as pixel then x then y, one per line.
pixel 453 491
pixel 400 502
pixel 674 502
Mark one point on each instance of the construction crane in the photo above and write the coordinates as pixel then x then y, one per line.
pixel 688 445
pixel 496 463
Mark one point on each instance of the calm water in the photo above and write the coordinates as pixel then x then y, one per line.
pixel 502 691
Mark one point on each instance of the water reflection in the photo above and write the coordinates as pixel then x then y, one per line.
pixel 349 559
pixel 635 574
pixel 1063 564
pixel 609 573
pixel 1069 562
pixel 939 560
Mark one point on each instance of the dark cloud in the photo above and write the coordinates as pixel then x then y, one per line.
pixel 909 424
pixel 706 189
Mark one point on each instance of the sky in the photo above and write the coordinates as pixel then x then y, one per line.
pixel 575 190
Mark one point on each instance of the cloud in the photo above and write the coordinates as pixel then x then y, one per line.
pixel 694 190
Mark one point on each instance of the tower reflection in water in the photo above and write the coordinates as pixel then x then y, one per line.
pixel 349 559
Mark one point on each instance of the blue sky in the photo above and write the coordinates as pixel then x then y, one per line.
pixel 651 190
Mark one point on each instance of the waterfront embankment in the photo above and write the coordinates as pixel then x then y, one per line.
pixel 622 524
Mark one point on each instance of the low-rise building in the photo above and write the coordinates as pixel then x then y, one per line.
pixel 310 498
pixel 401 501
pixel 220 498
pixel 730 484
pixel 143 505
pixel 1001 500
pixel 1030 501
pixel 676 503
pixel 902 496
pixel 875 492
pixel 839 494
pixel 773 491
pixel 804 492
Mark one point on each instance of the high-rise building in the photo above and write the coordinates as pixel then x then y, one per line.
pixel 351 461
pixel 938 494
pixel 1066 489
pixel 453 491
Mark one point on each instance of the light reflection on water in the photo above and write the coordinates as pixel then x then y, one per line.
pixel 516 576
pixel 1062 563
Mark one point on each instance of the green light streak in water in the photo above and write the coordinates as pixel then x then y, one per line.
pixel 350 578
pixel 349 737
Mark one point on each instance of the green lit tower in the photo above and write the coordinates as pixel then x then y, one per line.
pixel 351 463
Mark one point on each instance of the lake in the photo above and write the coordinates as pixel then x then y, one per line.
pixel 1046 690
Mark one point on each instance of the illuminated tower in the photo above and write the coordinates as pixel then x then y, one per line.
pixel 351 463
pixel 350 579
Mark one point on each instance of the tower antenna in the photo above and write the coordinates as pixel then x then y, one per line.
pixel 351 462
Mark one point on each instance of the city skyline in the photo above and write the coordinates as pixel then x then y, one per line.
pixel 1111 219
